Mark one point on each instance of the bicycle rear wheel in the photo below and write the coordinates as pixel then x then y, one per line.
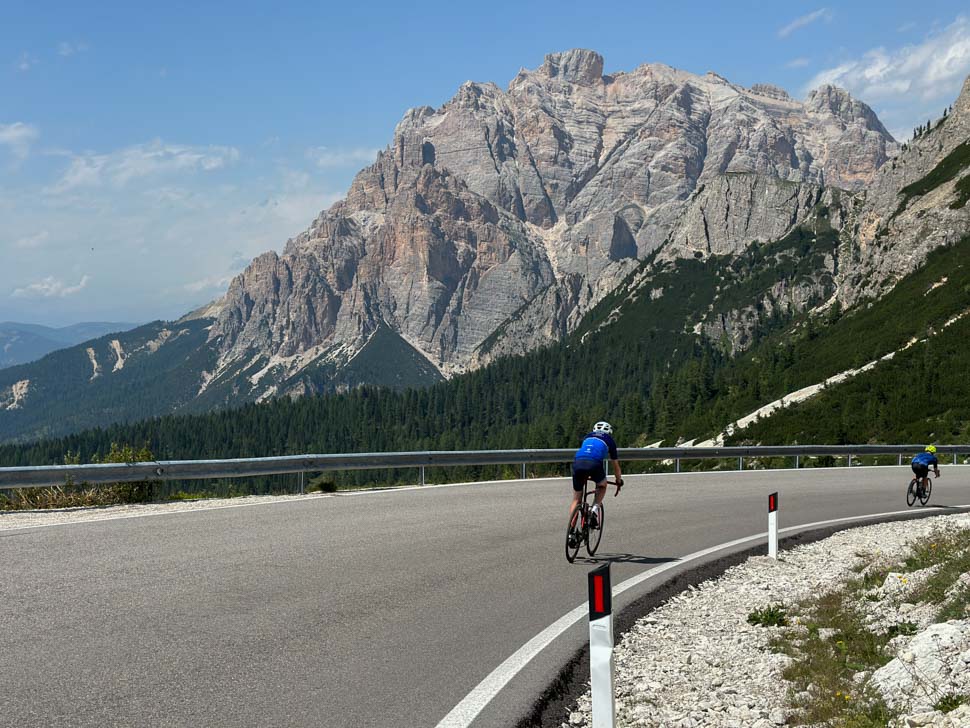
pixel 574 534
pixel 911 492
pixel 927 489
pixel 595 534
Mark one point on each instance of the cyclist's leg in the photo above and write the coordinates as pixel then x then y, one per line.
pixel 598 476
pixel 574 503
pixel 580 476
pixel 600 492
pixel 922 474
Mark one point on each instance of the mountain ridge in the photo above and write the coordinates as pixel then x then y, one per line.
pixel 21 343
pixel 541 215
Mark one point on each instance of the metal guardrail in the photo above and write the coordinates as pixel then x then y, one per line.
pixel 31 477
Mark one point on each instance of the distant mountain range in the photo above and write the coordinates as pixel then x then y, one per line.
pixel 504 220
pixel 21 343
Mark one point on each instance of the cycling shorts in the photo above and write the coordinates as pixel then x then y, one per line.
pixel 584 470
pixel 921 470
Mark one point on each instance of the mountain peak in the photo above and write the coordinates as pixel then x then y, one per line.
pixel 771 91
pixel 581 66
pixel 835 101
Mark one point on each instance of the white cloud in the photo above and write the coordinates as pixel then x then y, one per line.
pixel 18 138
pixel 798 62
pixel 325 157
pixel 801 22
pixel 930 70
pixel 32 241
pixel 50 287
pixel 214 284
pixel 142 160
pixel 25 62
pixel 67 49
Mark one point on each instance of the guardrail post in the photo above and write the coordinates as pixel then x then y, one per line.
pixel 954 458
pixel 796 462
pixel 899 459
pixel 773 525
pixel 677 465
pixel 523 471
pixel 422 475
pixel 601 666
pixel 740 463
pixel 849 460
pixel 301 483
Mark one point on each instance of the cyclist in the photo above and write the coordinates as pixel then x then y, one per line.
pixel 921 465
pixel 588 465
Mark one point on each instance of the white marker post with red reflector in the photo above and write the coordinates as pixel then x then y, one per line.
pixel 773 525
pixel 601 647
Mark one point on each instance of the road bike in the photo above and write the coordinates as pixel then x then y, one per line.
pixel 919 490
pixel 582 529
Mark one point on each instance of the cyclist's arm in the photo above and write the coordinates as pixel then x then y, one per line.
pixel 617 476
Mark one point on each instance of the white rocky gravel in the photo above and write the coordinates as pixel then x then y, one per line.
pixel 696 661
pixel 58 516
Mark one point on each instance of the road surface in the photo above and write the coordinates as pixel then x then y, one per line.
pixel 358 610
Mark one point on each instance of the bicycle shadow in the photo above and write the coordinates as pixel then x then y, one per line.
pixel 944 507
pixel 624 559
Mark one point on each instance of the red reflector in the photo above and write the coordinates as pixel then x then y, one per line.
pixel 597 593
pixel 772 503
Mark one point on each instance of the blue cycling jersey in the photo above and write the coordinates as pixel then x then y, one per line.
pixel 597 446
pixel 925 458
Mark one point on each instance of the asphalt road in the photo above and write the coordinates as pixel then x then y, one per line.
pixel 375 609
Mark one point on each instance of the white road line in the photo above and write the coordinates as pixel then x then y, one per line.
pixel 462 715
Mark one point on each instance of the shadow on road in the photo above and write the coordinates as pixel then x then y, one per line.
pixel 624 559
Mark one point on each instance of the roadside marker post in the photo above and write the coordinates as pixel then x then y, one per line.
pixel 601 668
pixel 773 525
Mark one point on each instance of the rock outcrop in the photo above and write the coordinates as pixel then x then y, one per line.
pixel 492 224
pixel 899 220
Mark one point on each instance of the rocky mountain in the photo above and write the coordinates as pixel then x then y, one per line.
pixel 499 221
pixel 21 343
pixel 492 224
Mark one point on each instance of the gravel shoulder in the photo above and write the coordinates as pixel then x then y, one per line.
pixel 12 520
pixel 696 661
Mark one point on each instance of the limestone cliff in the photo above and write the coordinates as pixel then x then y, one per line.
pixel 492 224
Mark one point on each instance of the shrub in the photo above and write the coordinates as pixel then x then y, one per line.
pixel 771 616
pixel 73 495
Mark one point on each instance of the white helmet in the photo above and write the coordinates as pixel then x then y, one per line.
pixel 603 427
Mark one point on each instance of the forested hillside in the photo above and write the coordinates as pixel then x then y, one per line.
pixel 548 398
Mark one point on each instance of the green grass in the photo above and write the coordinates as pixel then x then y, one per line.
pixel 830 647
pixel 770 616
pixel 951 702
pixel 949 550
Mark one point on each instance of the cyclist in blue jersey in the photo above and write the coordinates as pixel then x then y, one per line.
pixel 588 465
pixel 922 463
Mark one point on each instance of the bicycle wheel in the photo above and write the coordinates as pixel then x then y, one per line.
pixel 574 535
pixel 911 492
pixel 594 535
pixel 927 489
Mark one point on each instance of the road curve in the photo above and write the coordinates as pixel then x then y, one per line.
pixel 354 610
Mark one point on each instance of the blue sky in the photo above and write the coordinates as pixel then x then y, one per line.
pixel 148 151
